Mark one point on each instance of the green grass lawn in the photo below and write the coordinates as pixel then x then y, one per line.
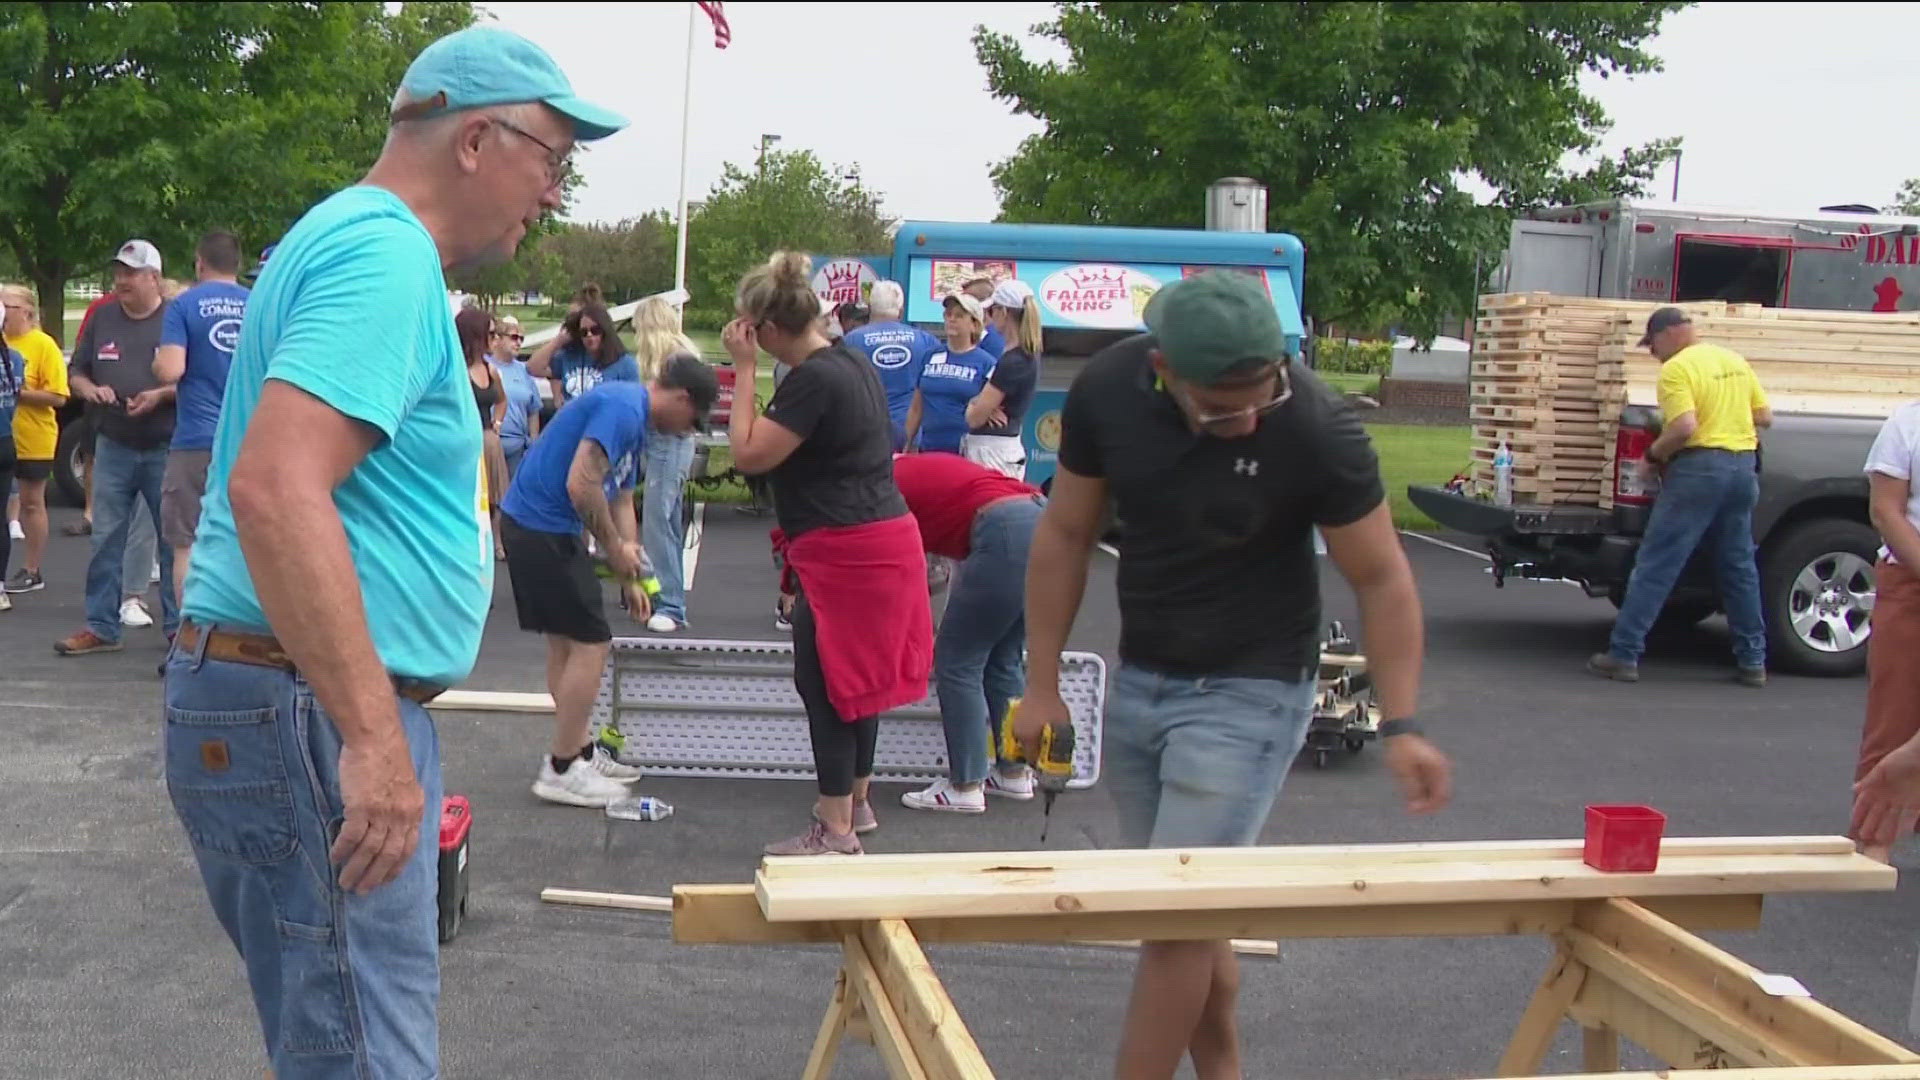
pixel 1418 454
pixel 1348 383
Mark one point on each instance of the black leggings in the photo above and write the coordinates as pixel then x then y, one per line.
pixel 6 485
pixel 842 751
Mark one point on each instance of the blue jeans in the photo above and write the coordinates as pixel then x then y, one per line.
pixel 1705 495
pixel 122 478
pixel 1198 762
pixel 347 987
pixel 979 655
pixel 669 459
pixel 513 450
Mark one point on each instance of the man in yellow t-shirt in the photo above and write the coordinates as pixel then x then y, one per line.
pixel 36 425
pixel 1713 409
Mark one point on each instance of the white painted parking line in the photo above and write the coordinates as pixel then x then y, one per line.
pixel 690 561
pixel 1437 542
pixel 1110 549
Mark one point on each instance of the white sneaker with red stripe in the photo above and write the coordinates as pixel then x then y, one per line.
pixel 943 796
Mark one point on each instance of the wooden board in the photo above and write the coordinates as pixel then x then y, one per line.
pixel 731 915
pixel 492 701
pixel 1035 884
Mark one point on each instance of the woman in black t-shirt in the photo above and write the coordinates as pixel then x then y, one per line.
pixel 998 412
pixel 862 629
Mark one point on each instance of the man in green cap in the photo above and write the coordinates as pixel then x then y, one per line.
pixel 343 565
pixel 1222 454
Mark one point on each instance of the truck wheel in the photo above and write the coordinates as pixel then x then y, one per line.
pixel 1817 589
pixel 69 457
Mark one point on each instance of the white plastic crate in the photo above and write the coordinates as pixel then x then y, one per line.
pixel 692 707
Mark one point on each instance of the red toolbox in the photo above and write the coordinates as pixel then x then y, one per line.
pixel 456 823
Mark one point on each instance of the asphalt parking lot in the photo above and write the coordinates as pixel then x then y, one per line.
pixel 109 956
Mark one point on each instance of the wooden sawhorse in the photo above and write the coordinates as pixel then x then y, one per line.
pixel 1625 964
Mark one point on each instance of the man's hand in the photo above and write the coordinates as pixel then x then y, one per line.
pixel 639 605
pixel 1425 774
pixel 624 560
pixel 384 803
pixel 743 344
pixel 1041 707
pixel 99 394
pixel 1886 801
pixel 145 401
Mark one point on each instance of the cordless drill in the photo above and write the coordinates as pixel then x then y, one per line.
pixel 1052 766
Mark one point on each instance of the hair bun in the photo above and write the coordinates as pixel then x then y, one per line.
pixel 791 268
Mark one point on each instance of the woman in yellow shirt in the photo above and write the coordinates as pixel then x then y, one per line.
pixel 36 428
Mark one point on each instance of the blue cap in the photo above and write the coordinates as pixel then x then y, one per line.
pixel 485 65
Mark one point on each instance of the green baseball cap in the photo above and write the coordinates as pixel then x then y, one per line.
pixel 485 65
pixel 1208 323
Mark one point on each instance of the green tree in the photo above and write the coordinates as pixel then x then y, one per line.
pixel 790 201
pixel 1907 200
pixel 1362 119
pixel 628 259
pixel 161 120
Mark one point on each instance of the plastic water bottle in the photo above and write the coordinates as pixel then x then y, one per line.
pixel 639 808
pixel 1503 475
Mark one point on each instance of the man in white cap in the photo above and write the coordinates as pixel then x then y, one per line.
pixel 112 370
pixel 343 565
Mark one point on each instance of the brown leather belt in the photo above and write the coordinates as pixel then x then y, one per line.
pixel 263 651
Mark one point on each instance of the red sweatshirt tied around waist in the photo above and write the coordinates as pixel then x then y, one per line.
pixel 867 588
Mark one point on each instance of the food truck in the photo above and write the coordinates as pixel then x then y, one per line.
pixel 1092 283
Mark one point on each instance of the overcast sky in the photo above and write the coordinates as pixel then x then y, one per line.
pixel 1782 106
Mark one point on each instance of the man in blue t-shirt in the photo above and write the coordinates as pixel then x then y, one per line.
pixel 897 351
pixel 196 349
pixel 343 566
pixel 579 477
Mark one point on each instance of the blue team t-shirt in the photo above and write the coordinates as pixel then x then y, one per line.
pixel 205 320
pixel 353 310
pixel 613 414
pixel 13 379
pixel 523 400
pixel 578 374
pixel 898 353
pixel 948 383
pixel 993 343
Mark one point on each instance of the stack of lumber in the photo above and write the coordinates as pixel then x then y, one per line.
pixel 1551 373
pixel 1841 363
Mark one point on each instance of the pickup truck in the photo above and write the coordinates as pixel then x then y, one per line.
pixel 1817 546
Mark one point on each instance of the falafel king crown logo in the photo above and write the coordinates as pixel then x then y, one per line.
pixel 843 281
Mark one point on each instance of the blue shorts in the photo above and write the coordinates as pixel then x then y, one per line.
pixel 345 985
pixel 1198 762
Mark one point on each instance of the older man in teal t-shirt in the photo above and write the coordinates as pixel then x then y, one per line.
pixel 343 565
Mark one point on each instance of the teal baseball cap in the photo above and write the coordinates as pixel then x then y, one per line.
pixel 1208 323
pixel 485 65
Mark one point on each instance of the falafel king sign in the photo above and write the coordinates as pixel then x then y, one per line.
pixel 1099 295
pixel 844 280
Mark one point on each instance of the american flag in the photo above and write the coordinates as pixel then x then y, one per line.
pixel 722 32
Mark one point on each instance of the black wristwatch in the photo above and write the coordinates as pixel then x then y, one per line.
pixel 1404 726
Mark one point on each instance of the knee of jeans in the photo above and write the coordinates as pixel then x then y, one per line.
pixel 314 1000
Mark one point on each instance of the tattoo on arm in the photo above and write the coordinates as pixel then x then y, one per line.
pixel 587 488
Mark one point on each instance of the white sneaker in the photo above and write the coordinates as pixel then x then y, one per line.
pixel 15 531
pixel 1019 788
pixel 662 624
pixel 580 785
pixel 612 767
pixel 133 612
pixel 6 602
pixel 944 796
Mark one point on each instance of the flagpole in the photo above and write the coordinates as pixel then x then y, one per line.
pixel 686 121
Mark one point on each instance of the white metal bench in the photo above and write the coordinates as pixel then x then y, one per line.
pixel 691 707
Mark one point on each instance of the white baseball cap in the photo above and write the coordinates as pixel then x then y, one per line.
pixel 968 304
pixel 138 255
pixel 1012 295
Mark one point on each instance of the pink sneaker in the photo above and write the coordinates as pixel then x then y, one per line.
pixel 817 841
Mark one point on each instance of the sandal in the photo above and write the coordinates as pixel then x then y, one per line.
pixel 78 528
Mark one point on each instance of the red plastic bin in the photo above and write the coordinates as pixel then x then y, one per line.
pixel 1624 838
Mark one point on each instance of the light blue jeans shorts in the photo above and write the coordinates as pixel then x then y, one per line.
pixel 1197 762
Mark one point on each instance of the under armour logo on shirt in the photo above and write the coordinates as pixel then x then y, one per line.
pixel 1246 467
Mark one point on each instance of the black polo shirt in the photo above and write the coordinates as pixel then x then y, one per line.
pixel 1217 572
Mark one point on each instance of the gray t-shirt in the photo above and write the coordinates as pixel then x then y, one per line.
pixel 117 350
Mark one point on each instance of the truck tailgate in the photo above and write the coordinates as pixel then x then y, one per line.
pixel 1480 518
